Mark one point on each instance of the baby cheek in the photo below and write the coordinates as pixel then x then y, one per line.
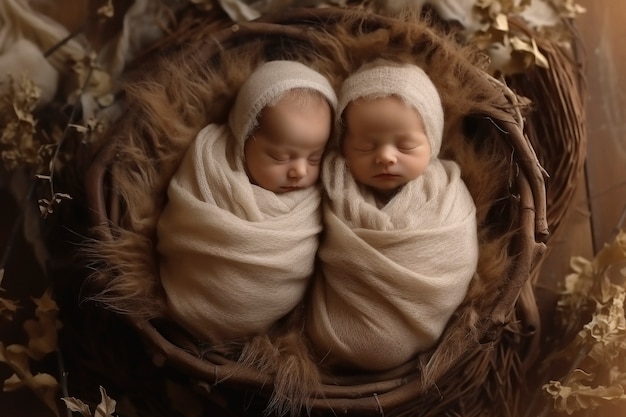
pixel 314 172
pixel 275 172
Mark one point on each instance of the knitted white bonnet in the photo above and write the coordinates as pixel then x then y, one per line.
pixel 265 85
pixel 408 82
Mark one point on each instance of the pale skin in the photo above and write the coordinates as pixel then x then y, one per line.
pixel 385 144
pixel 285 152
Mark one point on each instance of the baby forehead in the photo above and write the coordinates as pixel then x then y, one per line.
pixel 295 129
pixel 285 119
pixel 380 110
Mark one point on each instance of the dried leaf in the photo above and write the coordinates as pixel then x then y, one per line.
pixel 105 100
pixel 577 396
pixel 79 128
pixel 76 405
pixel 13 383
pixel 501 23
pixel 62 196
pixel 42 331
pixel 107 10
pixel 530 51
pixel 569 9
pixel 106 408
pixel 46 306
pixel 17 141
pixel 7 307
pixel 608 291
pixel 42 337
pixel 45 207
pixel 612 253
pixel 617 376
pixel 578 376
pixel 16 357
pixel 600 345
pixel 46 387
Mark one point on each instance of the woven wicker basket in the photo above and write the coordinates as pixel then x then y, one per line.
pixel 485 133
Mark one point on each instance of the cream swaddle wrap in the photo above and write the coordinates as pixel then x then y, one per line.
pixel 391 277
pixel 235 257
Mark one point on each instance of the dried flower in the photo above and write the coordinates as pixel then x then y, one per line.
pixel 106 408
pixel 107 11
pixel 7 308
pixel 48 205
pixel 45 386
pixel 600 347
pixel 42 331
pixel 18 145
pixel 579 395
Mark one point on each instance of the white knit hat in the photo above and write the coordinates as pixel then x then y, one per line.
pixel 265 85
pixel 408 82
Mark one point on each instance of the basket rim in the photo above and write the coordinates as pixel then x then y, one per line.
pixel 360 398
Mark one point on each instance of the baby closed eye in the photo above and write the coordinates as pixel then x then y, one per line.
pixel 408 145
pixel 364 148
pixel 279 157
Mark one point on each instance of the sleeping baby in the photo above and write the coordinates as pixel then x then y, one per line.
pixel 238 236
pixel 400 244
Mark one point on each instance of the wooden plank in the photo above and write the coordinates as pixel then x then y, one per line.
pixel 601 192
pixel 603 33
pixel 574 239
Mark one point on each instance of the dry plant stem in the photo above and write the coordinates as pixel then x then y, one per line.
pixel 63 379
pixel 67 129
pixel 89 20
pixel 65 40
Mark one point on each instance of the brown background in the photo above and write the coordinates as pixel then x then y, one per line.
pixel 601 191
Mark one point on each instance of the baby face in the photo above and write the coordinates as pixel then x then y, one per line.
pixel 284 153
pixel 385 143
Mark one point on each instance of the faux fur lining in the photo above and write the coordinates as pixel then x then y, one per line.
pixel 183 93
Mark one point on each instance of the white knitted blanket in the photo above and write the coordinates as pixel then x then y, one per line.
pixel 234 257
pixel 391 277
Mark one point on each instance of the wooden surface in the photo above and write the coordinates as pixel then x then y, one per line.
pixel 605 34
pixel 601 191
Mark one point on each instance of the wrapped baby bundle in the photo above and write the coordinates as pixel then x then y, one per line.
pixel 391 277
pixel 234 257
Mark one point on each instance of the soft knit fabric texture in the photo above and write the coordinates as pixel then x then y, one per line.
pixel 234 257
pixel 266 84
pixel 390 278
pixel 406 81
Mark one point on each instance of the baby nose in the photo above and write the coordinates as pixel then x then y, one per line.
pixel 386 156
pixel 297 169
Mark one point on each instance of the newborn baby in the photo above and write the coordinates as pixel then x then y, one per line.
pixel 400 245
pixel 238 236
